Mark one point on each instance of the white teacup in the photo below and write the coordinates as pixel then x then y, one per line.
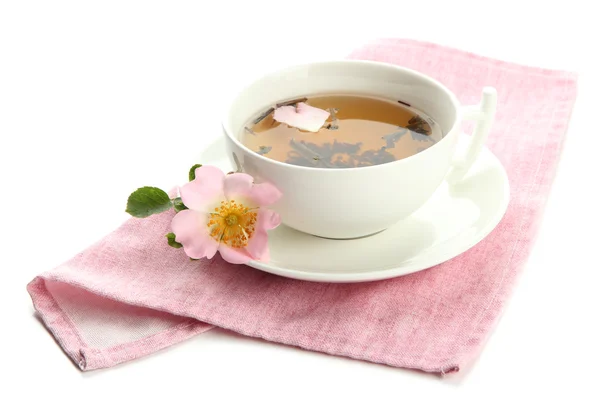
pixel 356 202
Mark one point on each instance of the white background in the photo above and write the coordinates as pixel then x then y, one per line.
pixel 98 98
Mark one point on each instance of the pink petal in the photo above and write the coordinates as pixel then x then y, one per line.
pixel 190 230
pixel 267 219
pixel 234 256
pixel 264 194
pixel 237 185
pixel 201 193
pixel 301 116
pixel 258 244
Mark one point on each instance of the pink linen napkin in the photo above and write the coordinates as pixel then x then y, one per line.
pixel 131 294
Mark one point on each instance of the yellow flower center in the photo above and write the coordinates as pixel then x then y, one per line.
pixel 232 224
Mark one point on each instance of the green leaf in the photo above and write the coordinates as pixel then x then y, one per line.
pixel 147 201
pixel 172 242
pixel 178 204
pixel 192 174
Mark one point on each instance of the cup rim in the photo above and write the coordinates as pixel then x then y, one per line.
pixel 378 64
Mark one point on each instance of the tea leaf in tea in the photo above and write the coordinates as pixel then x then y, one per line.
pixel 291 102
pixel 328 155
pixel 421 136
pixel 263 115
pixel 372 157
pixel 262 150
pixel 334 119
pixel 392 138
pixel 307 151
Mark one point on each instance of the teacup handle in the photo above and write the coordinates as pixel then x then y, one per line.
pixel 483 114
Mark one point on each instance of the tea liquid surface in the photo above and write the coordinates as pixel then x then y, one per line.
pixel 361 131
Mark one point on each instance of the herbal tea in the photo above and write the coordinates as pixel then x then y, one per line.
pixel 340 131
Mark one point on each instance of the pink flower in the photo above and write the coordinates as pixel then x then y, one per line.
pixel 301 116
pixel 225 214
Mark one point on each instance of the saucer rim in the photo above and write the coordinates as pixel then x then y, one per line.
pixel 409 266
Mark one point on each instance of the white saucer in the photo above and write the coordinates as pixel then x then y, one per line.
pixel 452 221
